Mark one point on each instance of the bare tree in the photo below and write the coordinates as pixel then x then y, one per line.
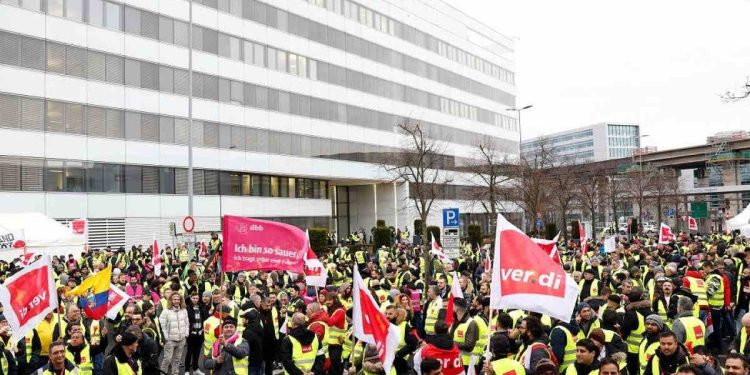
pixel 591 191
pixel 419 166
pixel 614 191
pixel 562 182
pixel 639 185
pixel 531 178
pixel 492 168
pixel 664 186
pixel 739 94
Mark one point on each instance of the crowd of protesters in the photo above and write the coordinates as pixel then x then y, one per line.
pixel 644 309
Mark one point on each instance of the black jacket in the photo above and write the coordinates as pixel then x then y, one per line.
pixel 118 355
pixel 558 340
pixel 253 334
pixel 148 354
pixel 305 337
pixel 203 310
pixel 668 364
pixel 630 320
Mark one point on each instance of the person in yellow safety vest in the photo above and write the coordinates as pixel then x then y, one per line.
pixel 58 364
pixel 501 364
pixel 587 359
pixel 211 327
pixel 698 288
pixel 465 331
pixel 740 345
pixel 668 357
pixel 688 329
pixel 650 342
pixel 215 243
pixel 407 340
pixel 300 348
pixel 80 353
pixel 337 327
pixel 563 338
pixel 589 286
pixel 587 319
pixel 229 351
pixel 433 310
pixel 715 292
pixel 633 325
pixel 122 360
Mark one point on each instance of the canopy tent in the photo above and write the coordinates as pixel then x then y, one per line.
pixel 41 235
pixel 741 222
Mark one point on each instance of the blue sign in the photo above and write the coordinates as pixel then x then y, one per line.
pixel 670 212
pixel 450 218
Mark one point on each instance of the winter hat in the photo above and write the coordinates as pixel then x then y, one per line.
pixel 655 319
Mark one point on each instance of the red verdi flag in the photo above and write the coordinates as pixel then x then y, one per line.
pixel 692 223
pixel 525 277
pixel 28 296
pixel 156 258
pixel 549 247
pixel 370 324
pixel 665 233
pixel 253 244
pixel 117 299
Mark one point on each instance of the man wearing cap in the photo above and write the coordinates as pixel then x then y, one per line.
pixel 300 349
pixel 211 327
pixel 589 286
pixel 229 354
pixel 650 342
pixel 122 359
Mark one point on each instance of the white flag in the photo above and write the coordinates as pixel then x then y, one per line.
pixel 315 273
pixel 370 325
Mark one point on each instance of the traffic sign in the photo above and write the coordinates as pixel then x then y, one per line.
pixel 451 243
pixel 450 218
pixel 539 223
pixel 670 211
pixel 188 224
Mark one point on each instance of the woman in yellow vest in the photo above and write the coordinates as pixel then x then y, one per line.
pixel 229 351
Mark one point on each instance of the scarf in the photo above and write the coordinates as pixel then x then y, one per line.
pixel 217 348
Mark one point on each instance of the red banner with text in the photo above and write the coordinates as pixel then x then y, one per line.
pixel 253 244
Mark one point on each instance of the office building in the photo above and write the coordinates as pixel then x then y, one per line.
pixel 286 105
pixel 598 142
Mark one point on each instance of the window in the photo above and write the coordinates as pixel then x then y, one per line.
pixel 132 21
pixel 166 29
pixel 132 126
pixel 56 8
pixel 74 121
pixel 55 58
pixel 54 172
pixel 181 33
pixel 55 117
pixel 271 57
pixel 113 16
pixel 166 180
pixel 166 129
pixel 259 55
pixel 96 12
pixel 74 10
pixel 115 124
pixel 10 111
pixel 149 25
pixel 150 180
pixel 75 61
pixel 113 179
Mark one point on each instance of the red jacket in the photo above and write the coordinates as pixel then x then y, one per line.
pixel 314 324
pixel 450 359
pixel 338 318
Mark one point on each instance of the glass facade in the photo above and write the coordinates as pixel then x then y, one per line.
pixel 622 140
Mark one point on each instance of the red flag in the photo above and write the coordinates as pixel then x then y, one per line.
pixel 28 296
pixel 583 239
pixel 665 233
pixel 692 223
pixel 437 252
pixel 455 293
pixel 524 277
pixel 370 324
pixel 549 247
pixel 203 252
pixel 315 273
pixel 157 259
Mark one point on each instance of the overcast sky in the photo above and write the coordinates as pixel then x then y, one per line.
pixel 660 63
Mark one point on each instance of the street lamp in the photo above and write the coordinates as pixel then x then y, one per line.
pixel 520 142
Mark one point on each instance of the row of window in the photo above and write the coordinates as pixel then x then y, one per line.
pixel 627 141
pixel 403 31
pixel 622 130
pixel 617 153
pixel 250 52
pixel 558 139
pixel 280 19
pixel 29 174
pixel 73 118
pixel 155 26
pixel 41 55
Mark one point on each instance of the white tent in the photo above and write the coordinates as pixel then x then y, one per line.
pixel 41 234
pixel 741 222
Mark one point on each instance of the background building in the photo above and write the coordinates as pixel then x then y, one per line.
pixel 598 142
pixel 286 105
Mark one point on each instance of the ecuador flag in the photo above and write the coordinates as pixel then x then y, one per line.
pixel 93 293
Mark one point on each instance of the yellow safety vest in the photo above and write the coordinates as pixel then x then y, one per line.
pixel 336 333
pixel 645 352
pixel 275 318
pixel 433 309
pixel 662 311
pixel 571 370
pixel 125 369
pixel 636 335
pixel 459 337
pixel 698 288
pixel 402 339
pixel 240 365
pixel 346 348
pixel 359 256
pixel 208 333
pixel 28 340
pixel 596 324
pixel 716 299
pixel 303 356
pixel 482 339
pixel 507 366
pixel 695 332
pixel 569 356
pixel 516 315
pixel 593 287
pixel 86 366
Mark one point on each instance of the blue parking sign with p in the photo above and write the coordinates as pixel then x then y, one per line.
pixel 450 217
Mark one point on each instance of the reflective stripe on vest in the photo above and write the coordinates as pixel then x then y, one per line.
pixel 304 356
pixel 86 367
pixel 507 366
pixel 240 365
pixel 636 335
